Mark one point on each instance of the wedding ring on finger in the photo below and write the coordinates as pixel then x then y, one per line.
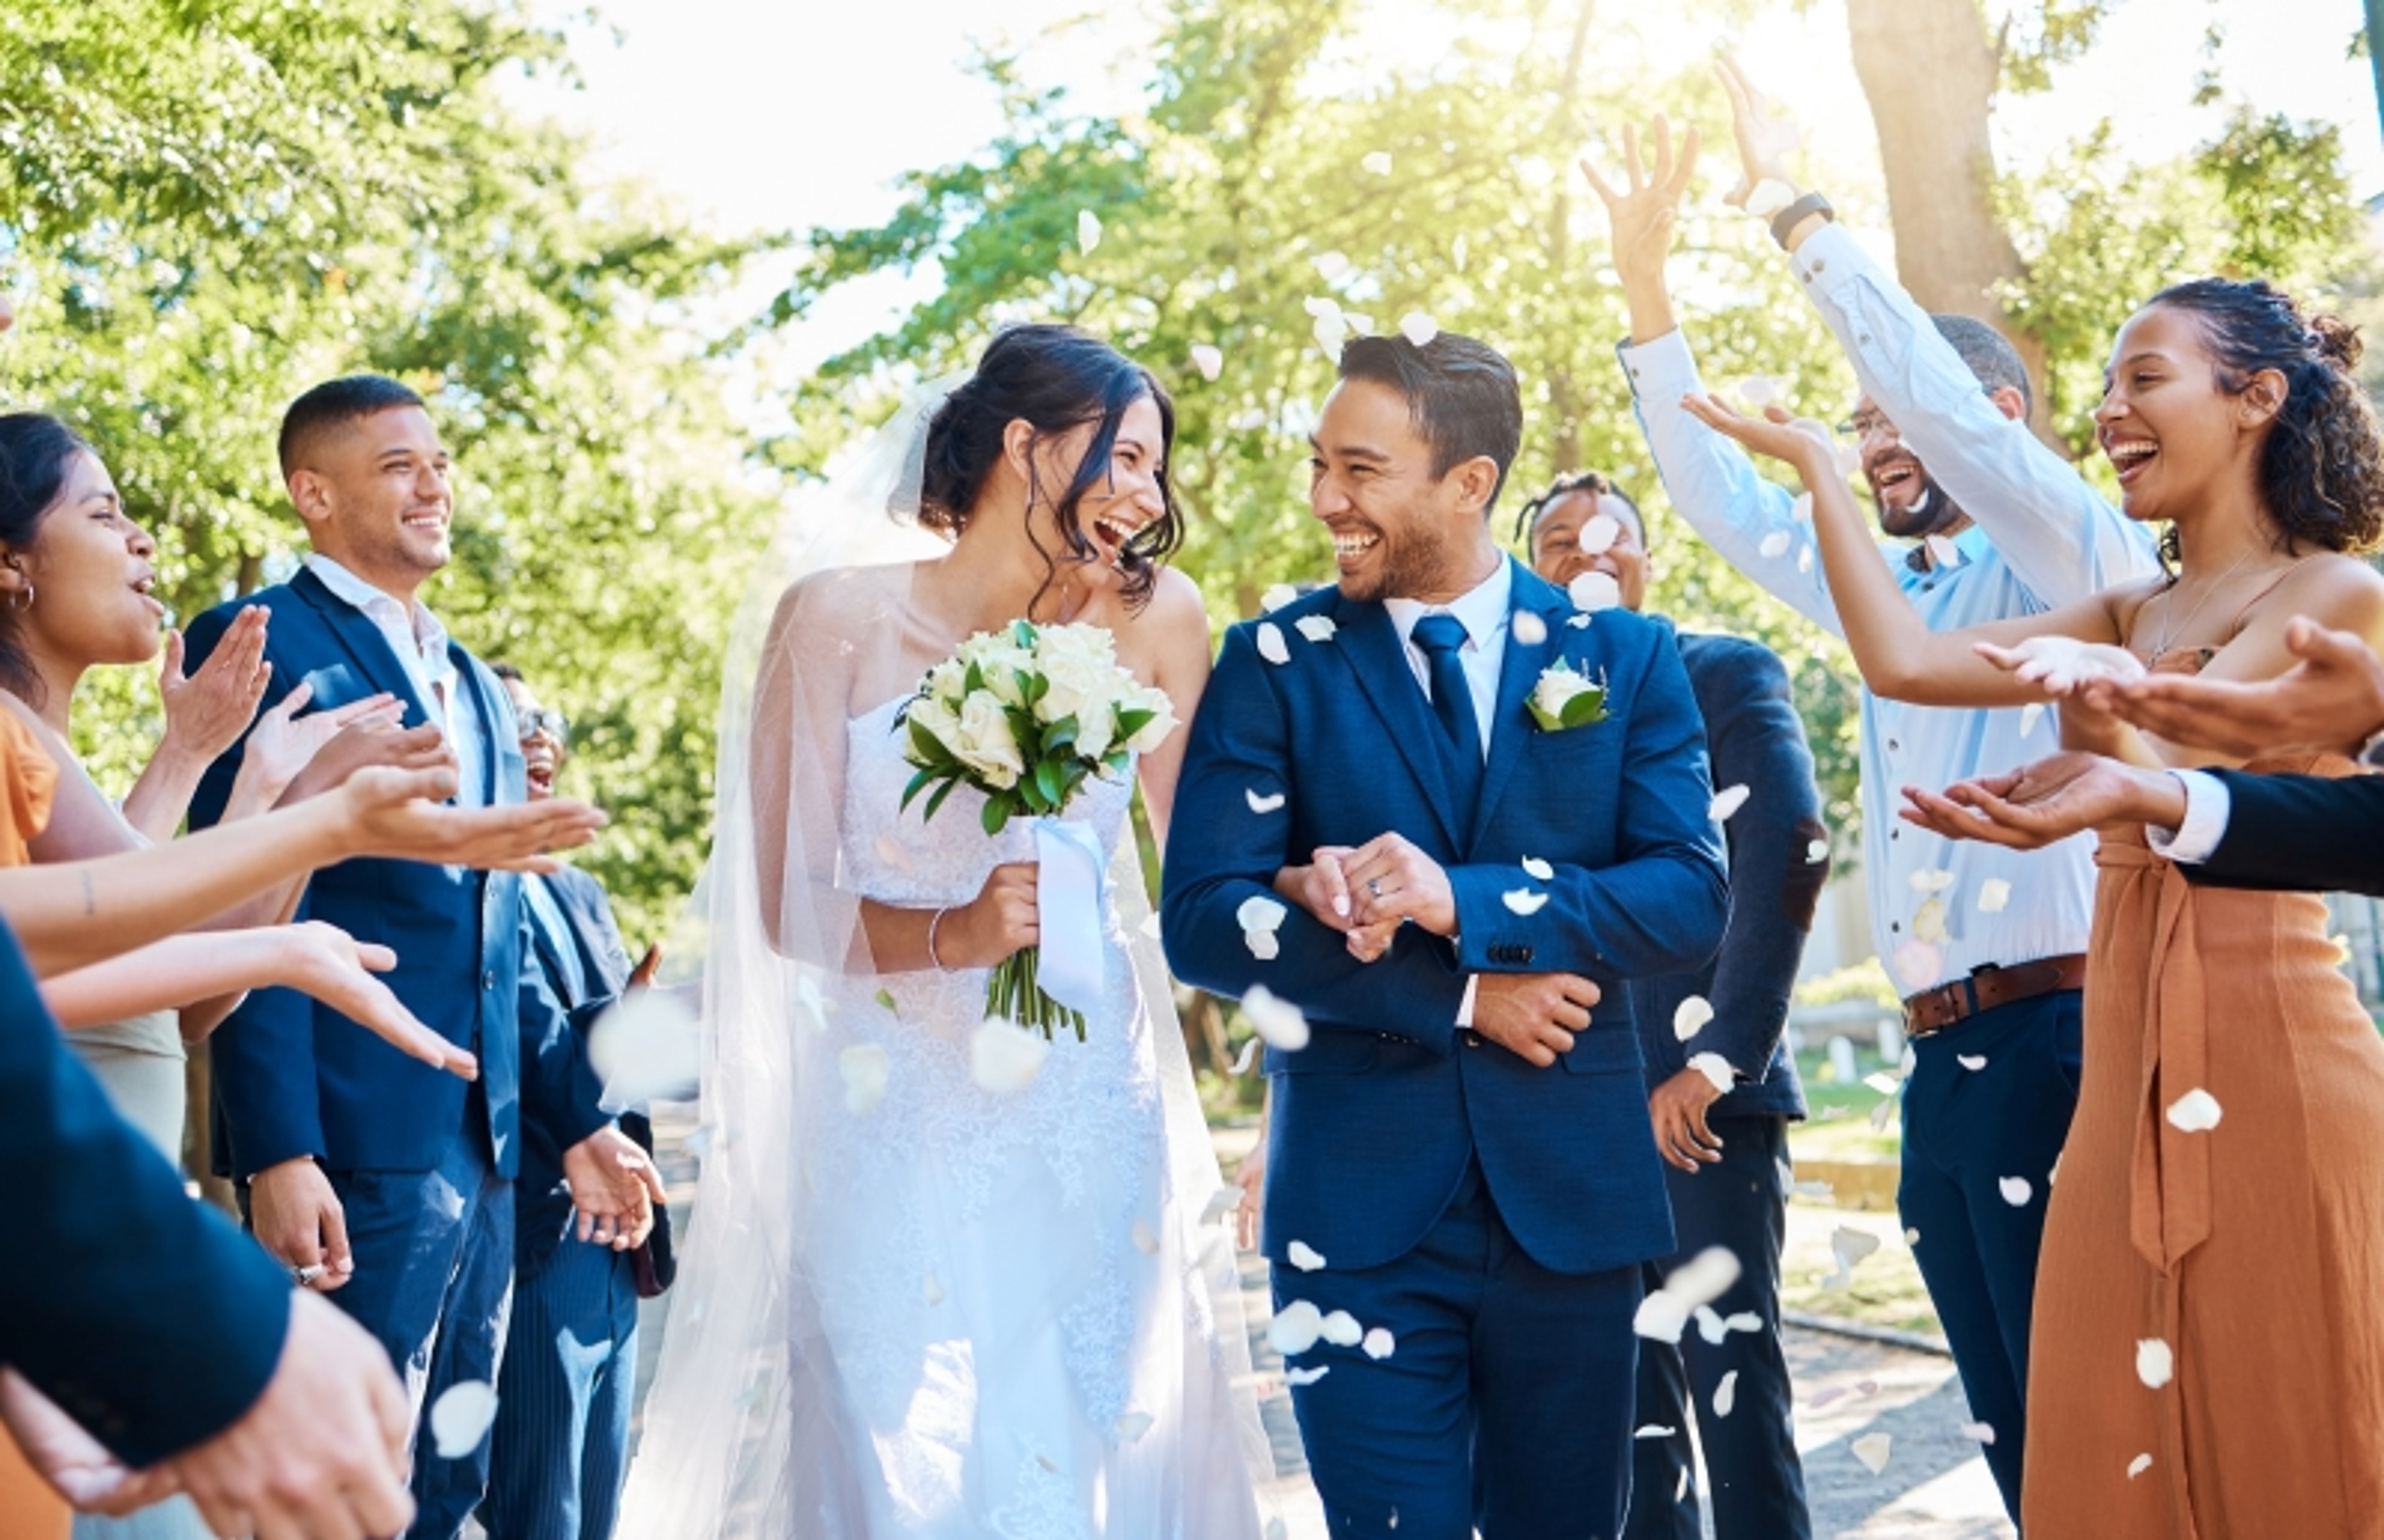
pixel 304 1276
pixel 1375 886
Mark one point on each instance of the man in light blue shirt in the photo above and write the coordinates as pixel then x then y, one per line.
pixel 1986 944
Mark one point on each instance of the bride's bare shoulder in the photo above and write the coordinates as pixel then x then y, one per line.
pixel 1175 607
pixel 839 598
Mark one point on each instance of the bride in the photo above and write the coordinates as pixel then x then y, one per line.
pixel 910 1305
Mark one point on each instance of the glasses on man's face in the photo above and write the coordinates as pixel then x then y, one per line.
pixel 539 721
pixel 1862 425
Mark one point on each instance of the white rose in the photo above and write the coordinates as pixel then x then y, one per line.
pixel 1000 660
pixel 982 742
pixel 947 681
pixel 1154 732
pixel 1556 689
pixel 1087 689
pixel 938 720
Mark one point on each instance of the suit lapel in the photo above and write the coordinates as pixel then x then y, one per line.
pixel 1517 674
pixel 364 643
pixel 492 750
pixel 1368 638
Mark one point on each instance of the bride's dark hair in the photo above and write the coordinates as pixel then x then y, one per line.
pixel 1055 379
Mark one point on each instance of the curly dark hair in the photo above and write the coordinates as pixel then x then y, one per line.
pixel 2322 467
pixel 1595 484
pixel 35 452
pixel 1055 379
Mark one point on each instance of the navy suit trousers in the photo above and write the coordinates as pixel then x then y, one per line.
pixel 1964 1132
pixel 1497 1406
pixel 562 1439
pixel 1755 1482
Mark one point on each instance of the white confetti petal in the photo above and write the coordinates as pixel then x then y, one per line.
pixel 1303 1256
pixel 1654 1430
pixel 1578 623
pixel 1943 552
pixel 1703 1278
pixel 1594 592
pixel 1729 799
pixel 1272 646
pixel 1979 1433
pixel 1530 629
pixel 1089 231
pixel 931 1290
pixel 1880 1114
pixel 1599 534
pixel 1375 163
pixel 1149 926
pixel 2155 1362
pixel 865 1067
pixel 1929 921
pixel 1331 266
pixel 1817 851
pixel 1341 1329
pixel 1710 1325
pixel 1275 1019
pixel 1715 1068
pixel 646 1048
pixel 1277 597
pixel 460 1418
pixel 1994 895
pixel 1662 1317
pixel 2030 715
pixel 1419 327
pixel 1248 1055
pixel 1823 1191
pixel 1744 1321
pixel 1911 1237
pixel 1133 1425
pixel 1320 309
pixel 1315 627
pixel 1379 1344
pixel 1265 944
pixel 1931 879
pixel 1539 869
pixel 1005 1058
pixel 1522 900
pixel 1774 546
pixel 1759 390
pixel 1223 1201
pixel 1726 1394
pixel 1872 1450
pixel 1767 197
pixel 1850 1245
pixel 1681 1487
pixel 1886 1082
pixel 2016 1190
pixel 1971 1060
pixel 1210 360
pixel 1260 912
pixel 1802 509
pixel 1804 558
pixel 1298 1377
pixel 2197 1112
pixel 1145 1241
pixel 1918 964
pixel 1690 1017
pixel 1295 1328
pixel 2138 1465
pixel 1263 804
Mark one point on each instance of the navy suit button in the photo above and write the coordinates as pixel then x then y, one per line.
pixel 488 979
pixel 1522 954
pixel 1473 1039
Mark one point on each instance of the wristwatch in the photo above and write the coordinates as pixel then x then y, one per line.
pixel 1786 222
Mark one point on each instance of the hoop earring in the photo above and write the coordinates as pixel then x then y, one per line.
pixel 23 599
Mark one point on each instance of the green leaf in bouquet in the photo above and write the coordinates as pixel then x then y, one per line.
pixel 1024 731
pixel 1060 735
pixel 1585 708
pixel 1022 633
pixel 1032 794
pixel 1032 687
pixel 936 800
pixel 974 681
pixel 1047 782
pixel 927 750
pixel 996 817
pixel 1072 775
pixel 1131 721
pixel 1115 763
pixel 918 784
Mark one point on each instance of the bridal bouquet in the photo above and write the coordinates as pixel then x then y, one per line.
pixel 1026 716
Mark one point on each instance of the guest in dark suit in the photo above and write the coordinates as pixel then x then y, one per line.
pixel 1728 1149
pixel 369 1174
pixel 1461 1156
pixel 560 1447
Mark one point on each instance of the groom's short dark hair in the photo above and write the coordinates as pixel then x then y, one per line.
pixel 1462 392
pixel 336 404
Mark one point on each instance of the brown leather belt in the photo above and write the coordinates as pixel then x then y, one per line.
pixel 1933 1011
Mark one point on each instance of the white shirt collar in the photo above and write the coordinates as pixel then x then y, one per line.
pixel 429 636
pixel 1482 610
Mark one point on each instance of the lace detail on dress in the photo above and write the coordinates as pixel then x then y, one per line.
pixel 1043 1506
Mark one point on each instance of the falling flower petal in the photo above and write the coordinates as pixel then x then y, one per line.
pixel 2138 1465
pixel 1804 558
pixel 1703 1278
pixel 1654 1430
pixel 1133 1425
pixel 1224 1200
pixel 1943 552
pixel 1248 1055
pixel 1774 545
pixel 1341 1329
pixel 1594 592
pixel 1320 309
pixel 1598 535
pixel 1522 900
pixel 1144 1240
pixel 1579 622
pixel 1767 197
pixel 1802 509
pixel 2197 1112
pixel 1315 627
pixel 1918 964
pixel 1932 879
pixel 1530 629
pixel 1275 1019
pixel 1379 1344
pixel 1681 1487
pixel 2029 716
pixel 1690 1017
pixel 1265 944
pixel 865 1068
pixel 1971 1060
pixel 1662 1317
pixel 1729 799
pixel 1759 390
pixel 1004 1058
pixel 1911 1237
pixel 1089 231
pixel 1824 1191
pixel 1419 327
pixel 1979 1433
pixel 1886 1082
pixel 1993 895
pixel 1303 1256
pixel 1263 804
pixel 1277 597
pixel 1880 1114
pixel 2016 1190
pixel 1260 912
pixel 1715 1068
pixel 1872 1450
pixel 1929 921
pixel 1538 868
pixel 1272 646
pixel 2155 1362
pixel 1298 1377
pixel 1726 1394
pixel 1850 1245
pixel 1331 266
pixel 460 1418
pixel 646 1046
pixel 1376 162
pixel 1710 1325
pixel 1817 851
pixel 1295 1328
pixel 1744 1321
pixel 1210 360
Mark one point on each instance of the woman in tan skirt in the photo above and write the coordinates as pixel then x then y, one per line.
pixel 2208 1357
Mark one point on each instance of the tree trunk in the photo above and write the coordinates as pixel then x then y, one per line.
pixel 1930 71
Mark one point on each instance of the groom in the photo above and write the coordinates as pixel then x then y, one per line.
pixel 1462 1157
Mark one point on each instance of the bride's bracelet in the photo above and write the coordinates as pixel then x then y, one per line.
pixel 931 941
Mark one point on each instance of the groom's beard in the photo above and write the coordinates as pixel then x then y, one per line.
pixel 1409 562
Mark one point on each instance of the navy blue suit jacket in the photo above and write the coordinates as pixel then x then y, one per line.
pixel 294 1078
pixel 1755 740
pixel 1376 1120
pixel 144 1316
pixel 2299 832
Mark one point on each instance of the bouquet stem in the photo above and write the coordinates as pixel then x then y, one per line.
pixel 1014 994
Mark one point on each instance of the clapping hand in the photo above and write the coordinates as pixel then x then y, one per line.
pixel 2332 699
pixel 283 743
pixel 207 712
pixel 2031 807
pixel 615 1186
pixel 1644 212
pixel 1766 139
pixel 373 739
pixel 1804 444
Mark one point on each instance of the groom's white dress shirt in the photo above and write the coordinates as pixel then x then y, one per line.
pixel 420 643
pixel 1483 612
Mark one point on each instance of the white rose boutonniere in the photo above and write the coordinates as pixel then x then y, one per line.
pixel 1564 697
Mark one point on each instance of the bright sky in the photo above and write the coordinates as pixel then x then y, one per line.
pixel 787 114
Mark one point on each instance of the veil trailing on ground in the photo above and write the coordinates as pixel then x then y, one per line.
pixel 741 1435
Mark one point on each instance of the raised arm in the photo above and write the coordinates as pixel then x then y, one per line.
pixel 207 712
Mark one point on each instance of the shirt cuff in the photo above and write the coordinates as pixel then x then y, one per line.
pixel 1662 371
pixel 1830 256
pixel 2195 839
pixel 1465 1006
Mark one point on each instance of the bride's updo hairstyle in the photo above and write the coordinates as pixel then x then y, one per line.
pixel 1055 379
pixel 2322 468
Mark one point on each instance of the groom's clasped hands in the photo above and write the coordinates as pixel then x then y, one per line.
pixel 1368 891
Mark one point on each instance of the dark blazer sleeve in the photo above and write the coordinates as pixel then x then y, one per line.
pixel 2299 832
pixel 559 1087
pixel 145 1316
pixel 1759 742
pixel 264 1053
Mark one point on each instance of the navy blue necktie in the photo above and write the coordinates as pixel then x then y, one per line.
pixel 1441 639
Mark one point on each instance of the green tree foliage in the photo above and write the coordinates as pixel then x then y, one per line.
pixel 213 203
